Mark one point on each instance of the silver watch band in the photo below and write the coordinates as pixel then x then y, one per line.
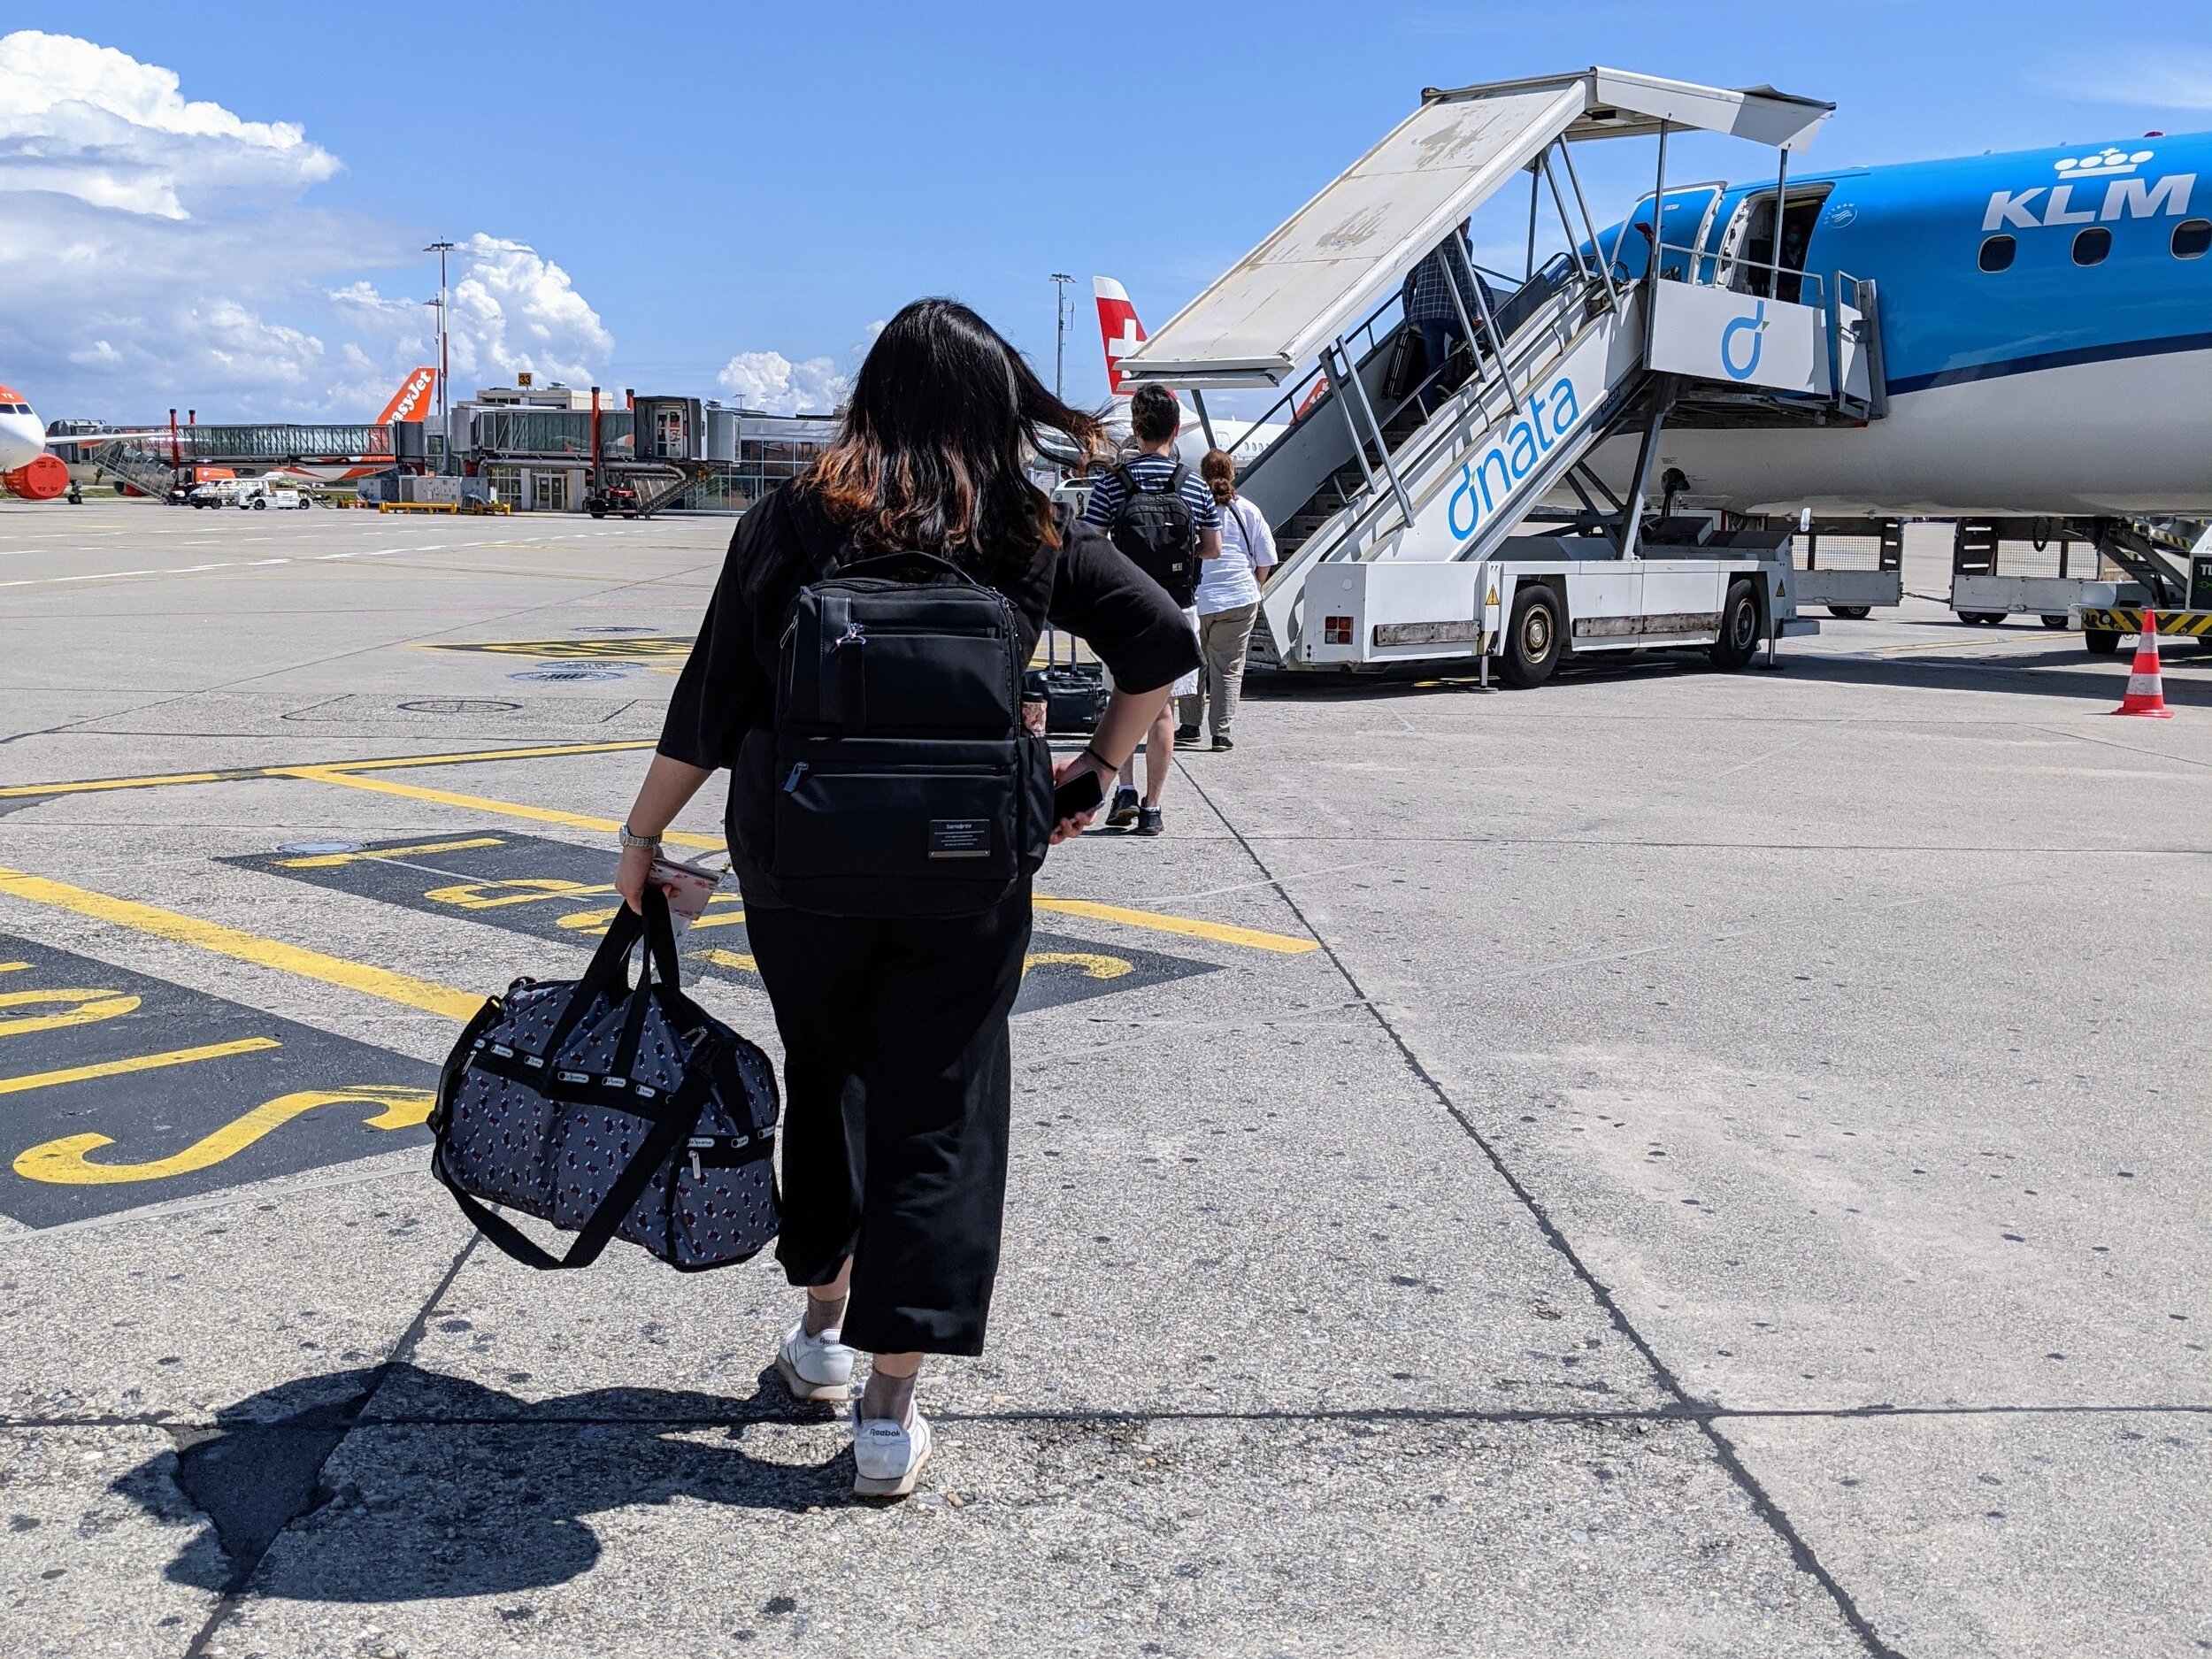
pixel 630 841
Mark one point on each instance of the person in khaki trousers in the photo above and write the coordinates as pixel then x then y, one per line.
pixel 1228 603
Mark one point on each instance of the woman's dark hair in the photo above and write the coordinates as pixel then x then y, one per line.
pixel 943 419
pixel 1220 473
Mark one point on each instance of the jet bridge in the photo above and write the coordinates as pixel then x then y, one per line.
pixel 1396 514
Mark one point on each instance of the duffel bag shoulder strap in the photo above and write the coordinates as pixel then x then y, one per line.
pixel 679 1118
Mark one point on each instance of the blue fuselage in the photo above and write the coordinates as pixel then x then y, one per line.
pixel 2045 326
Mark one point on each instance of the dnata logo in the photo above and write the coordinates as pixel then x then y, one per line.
pixel 2125 193
pixel 1755 326
pixel 1512 456
pixel 2106 162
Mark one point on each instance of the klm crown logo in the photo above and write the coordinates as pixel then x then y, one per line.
pixel 2105 164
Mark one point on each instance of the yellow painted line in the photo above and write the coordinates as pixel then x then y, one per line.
pixel 13 967
pixel 330 861
pixel 1094 966
pixel 64 1162
pixel 542 752
pixel 229 941
pixel 481 804
pixel 91 1006
pixel 738 959
pixel 141 1063
pixel 1223 932
pixel 87 787
pixel 157 780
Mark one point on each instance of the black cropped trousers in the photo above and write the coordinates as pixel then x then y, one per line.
pixel 897 1086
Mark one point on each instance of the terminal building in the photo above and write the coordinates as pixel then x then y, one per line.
pixel 533 445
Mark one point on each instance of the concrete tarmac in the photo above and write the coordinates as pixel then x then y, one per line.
pixel 1666 1164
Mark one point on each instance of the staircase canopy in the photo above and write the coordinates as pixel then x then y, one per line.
pixel 1339 255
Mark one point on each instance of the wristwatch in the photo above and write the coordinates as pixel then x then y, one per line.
pixel 630 841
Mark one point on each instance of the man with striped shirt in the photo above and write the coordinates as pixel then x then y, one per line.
pixel 1155 418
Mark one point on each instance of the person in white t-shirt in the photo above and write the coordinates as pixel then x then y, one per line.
pixel 1228 603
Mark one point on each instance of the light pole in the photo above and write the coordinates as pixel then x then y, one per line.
pixel 1061 280
pixel 441 248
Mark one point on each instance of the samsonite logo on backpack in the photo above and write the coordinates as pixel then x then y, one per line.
pixel 1158 532
pixel 899 779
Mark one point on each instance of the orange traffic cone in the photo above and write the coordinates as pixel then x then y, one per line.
pixel 2146 695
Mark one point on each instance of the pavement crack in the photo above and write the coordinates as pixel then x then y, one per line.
pixel 252 1480
pixel 1762 1502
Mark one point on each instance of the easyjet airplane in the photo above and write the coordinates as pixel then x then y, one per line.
pixel 411 402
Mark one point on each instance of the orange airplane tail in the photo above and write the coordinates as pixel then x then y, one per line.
pixel 412 401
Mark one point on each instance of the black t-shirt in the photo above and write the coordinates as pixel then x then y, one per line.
pixel 1085 585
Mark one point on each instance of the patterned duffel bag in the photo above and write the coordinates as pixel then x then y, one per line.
pixel 611 1112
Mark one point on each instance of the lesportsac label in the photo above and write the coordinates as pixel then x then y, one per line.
pixel 2125 193
pixel 1512 455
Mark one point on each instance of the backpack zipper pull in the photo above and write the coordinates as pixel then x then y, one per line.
pixel 798 771
pixel 854 634
pixel 698 1174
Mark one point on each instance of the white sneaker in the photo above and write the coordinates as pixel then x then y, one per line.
pixel 887 1458
pixel 819 1368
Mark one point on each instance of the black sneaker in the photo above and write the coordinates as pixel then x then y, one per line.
pixel 1186 737
pixel 1222 745
pixel 1125 807
pixel 1149 822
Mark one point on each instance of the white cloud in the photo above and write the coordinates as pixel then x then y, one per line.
pixel 518 310
pixel 771 383
pixel 155 249
pixel 94 123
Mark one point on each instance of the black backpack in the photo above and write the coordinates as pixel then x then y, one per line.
pixel 1158 532
pixel 898 779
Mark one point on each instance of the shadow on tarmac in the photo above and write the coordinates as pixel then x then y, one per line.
pixel 464 1491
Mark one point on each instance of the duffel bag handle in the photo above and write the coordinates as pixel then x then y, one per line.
pixel 909 555
pixel 610 969
pixel 609 973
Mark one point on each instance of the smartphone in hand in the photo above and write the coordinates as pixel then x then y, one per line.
pixel 1078 794
pixel 688 888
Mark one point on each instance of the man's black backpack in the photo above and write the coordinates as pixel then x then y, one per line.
pixel 1158 532
pixel 898 779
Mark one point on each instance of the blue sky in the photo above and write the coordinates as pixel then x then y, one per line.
pixel 726 180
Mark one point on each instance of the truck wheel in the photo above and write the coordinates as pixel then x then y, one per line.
pixel 2100 642
pixel 1739 626
pixel 1533 637
pixel 2054 622
pixel 261 506
pixel 1854 613
pixel 1982 619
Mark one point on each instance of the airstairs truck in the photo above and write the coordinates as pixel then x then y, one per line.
pixel 1459 520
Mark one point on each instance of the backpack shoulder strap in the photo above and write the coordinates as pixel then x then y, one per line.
pixel 1128 479
pixel 1174 486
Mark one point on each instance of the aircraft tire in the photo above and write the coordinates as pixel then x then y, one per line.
pixel 1851 613
pixel 1739 639
pixel 1533 637
pixel 2101 643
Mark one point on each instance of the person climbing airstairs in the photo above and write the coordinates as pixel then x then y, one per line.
pixel 1398 507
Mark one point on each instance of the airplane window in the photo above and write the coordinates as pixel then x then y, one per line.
pixel 2092 245
pixel 1997 253
pixel 2191 238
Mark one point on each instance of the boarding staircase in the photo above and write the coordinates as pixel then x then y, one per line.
pixel 125 460
pixel 1563 359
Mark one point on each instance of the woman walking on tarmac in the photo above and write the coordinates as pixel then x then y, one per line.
pixel 896 1067
pixel 1228 603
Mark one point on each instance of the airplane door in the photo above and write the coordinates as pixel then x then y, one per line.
pixel 1747 248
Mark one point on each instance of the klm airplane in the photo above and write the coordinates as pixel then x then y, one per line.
pixel 2043 322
